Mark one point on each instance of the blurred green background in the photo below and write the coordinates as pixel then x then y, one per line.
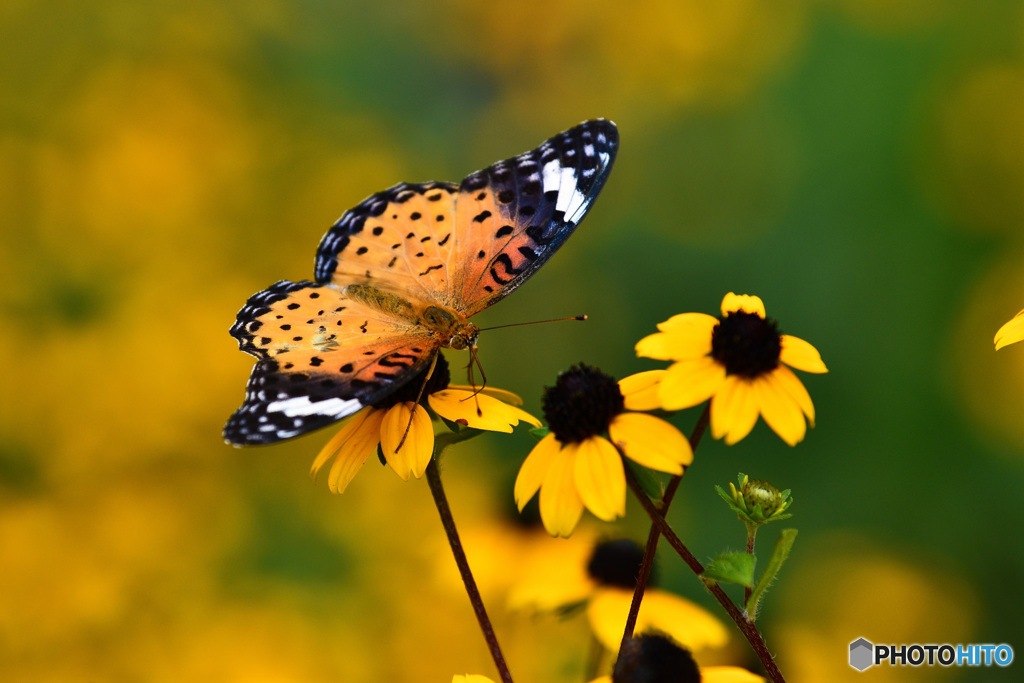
pixel 857 164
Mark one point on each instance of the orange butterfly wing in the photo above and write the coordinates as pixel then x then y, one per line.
pixel 325 352
pixel 323 356
pixel 512 216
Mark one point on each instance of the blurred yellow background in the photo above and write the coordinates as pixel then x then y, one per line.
pixel 858 165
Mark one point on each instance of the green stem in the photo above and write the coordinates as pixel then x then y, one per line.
pixel 745 626
pixel 441 501
pixel 751 534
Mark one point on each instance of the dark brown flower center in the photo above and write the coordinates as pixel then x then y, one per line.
pixel 746 344
pixel 654 659
pixel 581 404
pixel 616 563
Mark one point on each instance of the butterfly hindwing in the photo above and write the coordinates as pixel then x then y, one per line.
pixel 513 215
pixel 323 356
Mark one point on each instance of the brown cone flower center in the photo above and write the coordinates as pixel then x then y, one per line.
pixel 746 344
pixel 582 403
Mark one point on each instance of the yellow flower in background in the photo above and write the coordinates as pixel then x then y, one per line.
pixel 385 425
pixel 708 674
pixel 1011 332
pixel 605 585
pixel 738 360
pixel 657 658
pixel 576 466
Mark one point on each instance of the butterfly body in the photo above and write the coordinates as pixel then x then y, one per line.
pixel 399 276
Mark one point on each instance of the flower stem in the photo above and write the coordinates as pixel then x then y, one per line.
pixel 654 535
pixel 746 626
pixel 441 501
pixel 751 534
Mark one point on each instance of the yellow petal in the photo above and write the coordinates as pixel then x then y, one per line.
pixel 734 410
pixel 470 678
pixel 651 441
pixel 560 504
pixel 600 477
pixel 679 344
pixel 335 442
pixel 795 388
pixel 688 322
pixel 728 674
pixel 500 394
pixel 641 390
pixel 478 411
pixel 780 410
pixel 1011 332
pixel 796 353
pixel 743 302
pixel 360 444
pixel 689 383
pixel 534 469
pixel 607 612
pixel 411 421
pixel 687 623
pixel 602 679
pixel 690 625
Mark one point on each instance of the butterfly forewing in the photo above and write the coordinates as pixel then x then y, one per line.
pixel 400 239
pixel 512 216
pixel 323 356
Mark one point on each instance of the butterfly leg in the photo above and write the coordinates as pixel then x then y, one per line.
pixel 474 361
pixel 419 397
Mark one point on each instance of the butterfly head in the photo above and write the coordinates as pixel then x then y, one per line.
pixel 464 337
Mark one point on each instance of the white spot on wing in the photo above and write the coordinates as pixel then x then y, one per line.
pixel 567 188
pixel 301 405
pixel 551 173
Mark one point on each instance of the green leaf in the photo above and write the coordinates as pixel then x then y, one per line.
pixel 783 546
pixel 731 568
pixel 539 432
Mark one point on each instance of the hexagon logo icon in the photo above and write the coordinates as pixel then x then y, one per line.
pixel 861 654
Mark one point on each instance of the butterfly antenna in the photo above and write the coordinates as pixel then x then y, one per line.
pixel 419 397
pixel 535 322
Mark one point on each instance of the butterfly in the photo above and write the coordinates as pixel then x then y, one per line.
pixel 397 278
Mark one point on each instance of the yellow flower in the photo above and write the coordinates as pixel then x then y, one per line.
pixel 738 360
pixel 385 425
pixel 576 466
pixel 708 674
pixel 605 583
pixel 1010 333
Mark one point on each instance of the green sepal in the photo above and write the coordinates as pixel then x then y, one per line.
pixel 651 481
pixel 731 568
pixel 783 547
pixel 539 432
pixel 446 439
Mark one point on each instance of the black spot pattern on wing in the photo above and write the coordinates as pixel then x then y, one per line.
pixel 352 222
pixel 542 195
pixel 257 423
pixel 281 404
pixel 247 324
